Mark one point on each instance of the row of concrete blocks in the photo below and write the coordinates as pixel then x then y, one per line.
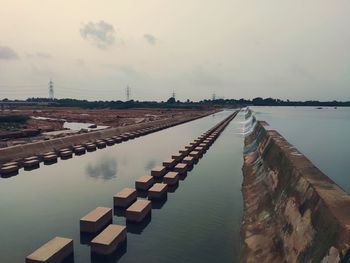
pixel 30 163
pixel 100 219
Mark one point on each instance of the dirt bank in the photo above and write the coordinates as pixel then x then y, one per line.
pixel 38 148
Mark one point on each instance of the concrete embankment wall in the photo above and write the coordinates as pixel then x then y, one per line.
pixel 22 151
pixel 292 211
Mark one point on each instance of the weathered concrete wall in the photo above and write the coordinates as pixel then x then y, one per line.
pixel 292 211
pixel 37 148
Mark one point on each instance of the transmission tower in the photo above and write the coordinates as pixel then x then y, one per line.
pixel 173 95
pixel 51 91
pixel 214 96
pixel 128 91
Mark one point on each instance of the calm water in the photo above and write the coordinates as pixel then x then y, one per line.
pixel 199 222
pixel 321 134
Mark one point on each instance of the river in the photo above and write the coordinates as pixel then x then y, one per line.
pixel 199 222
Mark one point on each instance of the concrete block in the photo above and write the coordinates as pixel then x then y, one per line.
pixel 144 182
pixel 201 150
pixel 101 144
pixel 158 171
pixel 170 163
pixel 181 168
pixel 138 210
pixel 171 178
pixel 184 151
pixel 96 220
pixel 110 142
pixel 189 160
pixel 194 154
pixel 50 158
pixel 9 169
pixel 177 156
pixel 54 251
pixel 125 197
pixel 79 150
pixel 66 154
pixel 157 191
pixel 91 147
pixel 108 240
pixel 31 163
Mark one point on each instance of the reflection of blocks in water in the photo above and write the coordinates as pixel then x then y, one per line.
pixel 157 191
pixel 108 240
pixel 96 220
pixel 172 188
pixel 144 182
pixel 138 210
pixel 159 203
pixel 125 197
pixel 137 228
pixel 56 250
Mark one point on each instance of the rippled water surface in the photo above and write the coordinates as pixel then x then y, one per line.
pixel 323 135
pixel 199 222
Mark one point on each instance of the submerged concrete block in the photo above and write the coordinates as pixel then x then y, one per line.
pixel 144 182
pixel 170 163
pixel 125 197
pixel 54 251
pixel 181 168
pixel 138 210
pixel 158 171
pixel 171 178
pixel 96 220
pixel 157 191
pixel 108 240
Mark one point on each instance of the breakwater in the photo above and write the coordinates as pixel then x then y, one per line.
pixel 19 152
pixel 292 211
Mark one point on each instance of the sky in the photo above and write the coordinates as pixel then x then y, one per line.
pixel 288 49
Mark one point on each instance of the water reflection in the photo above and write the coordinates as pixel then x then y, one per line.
pixel 150 164
pixel 114 257
pixel 137 228
pixel 8 175
pixel 158 204
pixel 172 188
pixel 105 168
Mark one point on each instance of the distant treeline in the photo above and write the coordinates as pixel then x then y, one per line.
pixel 14 118
pixel 172 103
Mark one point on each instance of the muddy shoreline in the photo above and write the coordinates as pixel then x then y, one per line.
pixel 17 153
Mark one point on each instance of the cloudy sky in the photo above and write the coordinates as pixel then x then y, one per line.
pixel 291 49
